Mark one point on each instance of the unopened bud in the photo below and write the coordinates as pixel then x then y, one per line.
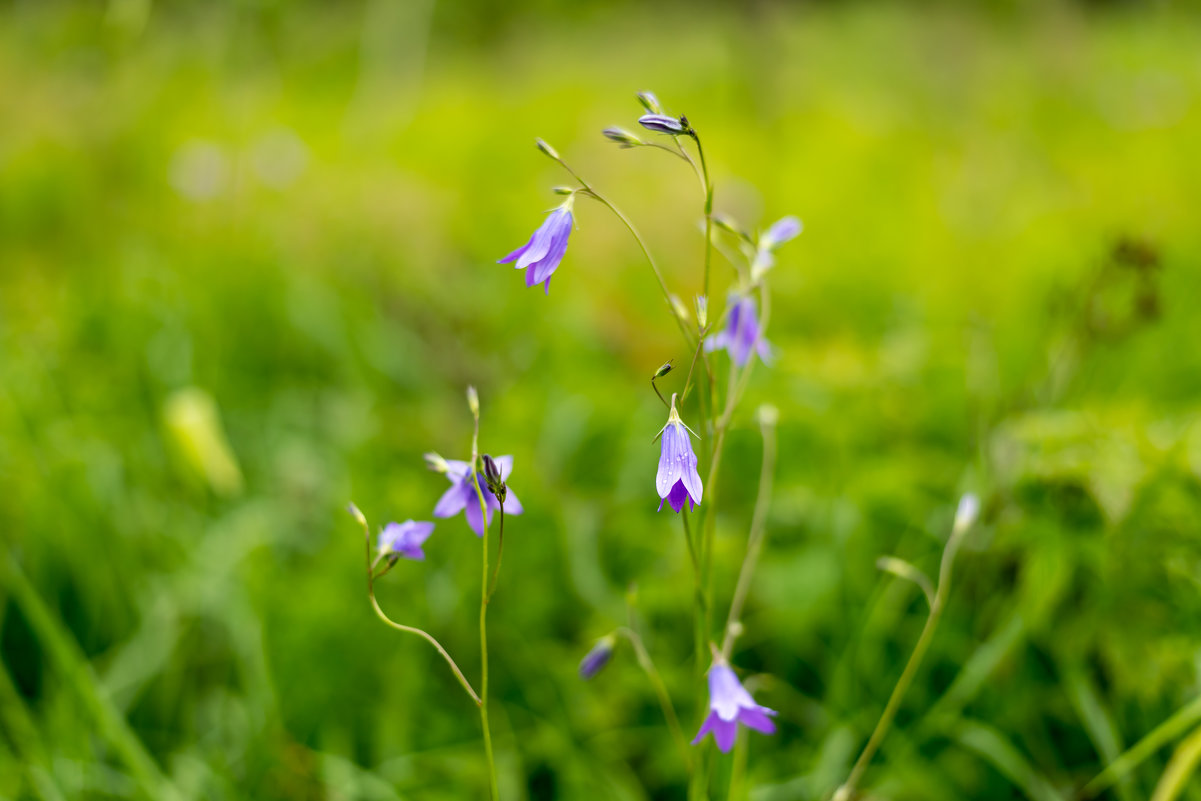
pixel 547 149
pixel 622 137
pixel 661 123
pixel 965 515
pixel 473 401
pixel 678 307
pixel 356 514
pixel 563 190
pixel 650 102
pixel 702 311
pixel 436 462
pixel 768 415
pixel 662 371
pixel 493 478
pixel 596 659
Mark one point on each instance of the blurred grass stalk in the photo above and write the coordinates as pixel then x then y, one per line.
pixel 65 655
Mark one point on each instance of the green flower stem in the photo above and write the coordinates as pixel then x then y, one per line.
pixel 1165 732
pixel 756 537
pixel 379 612
pixel 669 710
pixel 847 790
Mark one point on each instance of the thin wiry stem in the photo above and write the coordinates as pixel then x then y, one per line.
pixel 500 551
pixel 379 612
pixel 669 710
pixel 847 790
pixel 755 540
pixel 597 196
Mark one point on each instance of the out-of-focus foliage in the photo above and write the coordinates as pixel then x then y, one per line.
pixel 247 266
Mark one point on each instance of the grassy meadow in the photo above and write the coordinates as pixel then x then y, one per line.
pixel 247 269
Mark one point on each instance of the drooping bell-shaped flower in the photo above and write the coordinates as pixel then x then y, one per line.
pixel 777 234
pixel 540 256
pixel 677 480
pixel 404 539
pixel 462 497
pixel 742 335
pixel 730 705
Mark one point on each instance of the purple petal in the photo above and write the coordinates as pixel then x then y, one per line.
pixel 417 532
pixel 512 505
pixel 412 552
pixel 726 694
pixel 671 458
pixel 505 465
pixel 457 470
pixel 516 253
pixel 758 719
pixel 539 243
pixel 452 501
pixel 716 341
pixel 781 231
pixel 677 496
pixel 546 265
pixel 475 518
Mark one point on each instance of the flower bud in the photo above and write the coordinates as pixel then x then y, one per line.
pixel 596 659
pixel 563 190
pixel 662 371
pixel 702 311
pixel 768 415
pixel 547 149
pixel 728 223
pixel 661 123
pixel 650 102
pixel 356 514
pixel 436 462
pixel 679 308
pixel 473 401
pixel 493 478
pixel 622 137
pixel 965 515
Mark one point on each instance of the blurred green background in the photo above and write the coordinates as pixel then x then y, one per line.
pixel 247 269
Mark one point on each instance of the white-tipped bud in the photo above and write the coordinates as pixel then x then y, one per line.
pixel 650 102
pixel 622 137
pixel 679 308
pixel 473 401
pixel 436 462
pixel 702 311
pixel 547 149
pixel 356 514
pixel 563 190
pixel 968 511
pixel 768 415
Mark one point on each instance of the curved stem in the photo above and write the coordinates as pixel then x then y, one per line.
pixel 597 196
pixel 708 208
pixel 847 790
pixel 669 711
pixel 379 612
pixel 755 540
pixel 699 607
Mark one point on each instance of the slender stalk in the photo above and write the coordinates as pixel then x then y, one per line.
pixel 473 401
pixel 699 607
pixel 500 552
pixel 755 540
pixel 379 612
pixel 708 208
pixel 847 790
pixel 1165 732
pixel 652 673
pixel 597 196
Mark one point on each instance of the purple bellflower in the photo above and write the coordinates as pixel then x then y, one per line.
pixel 777 234
pixel 461 496
pixel 404 539
pixel 729 705
pixel 742 334
pixel 540 256
pixel 596 659
pixel 677 480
